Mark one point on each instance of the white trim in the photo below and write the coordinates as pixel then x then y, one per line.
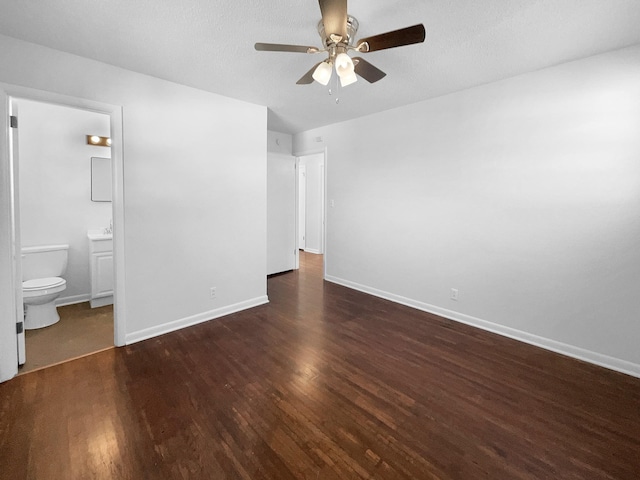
pixel 324 211
pixel 117 203
pixel 296 265
pixel 194 320
pixel 312 250
pixel 72 300
pixel 599 359
pixel 101 301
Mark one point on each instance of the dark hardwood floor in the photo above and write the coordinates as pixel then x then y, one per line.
pixel 322 383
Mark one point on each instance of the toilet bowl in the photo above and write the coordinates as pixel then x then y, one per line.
pixel 42 285
pixel 39 296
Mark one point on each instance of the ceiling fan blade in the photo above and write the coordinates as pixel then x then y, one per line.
pixel 334 17
pixel 279 47
pixel 397 38
pixel 367 71
pixel 307 78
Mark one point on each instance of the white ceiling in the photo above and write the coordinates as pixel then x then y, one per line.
pixel 209 45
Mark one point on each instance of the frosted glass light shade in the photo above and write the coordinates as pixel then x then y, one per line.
pixel 322 73
pixel 348 79
pixel 344 65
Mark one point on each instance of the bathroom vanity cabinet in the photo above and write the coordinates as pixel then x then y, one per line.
pixel 101 268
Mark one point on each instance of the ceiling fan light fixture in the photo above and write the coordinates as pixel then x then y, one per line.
pixel 344 65
pixel 337 30
pixel 322 74
pixel 348 79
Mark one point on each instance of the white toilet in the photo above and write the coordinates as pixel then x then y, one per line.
pixel 42 284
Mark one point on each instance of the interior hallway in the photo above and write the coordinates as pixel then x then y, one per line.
pixel 323 382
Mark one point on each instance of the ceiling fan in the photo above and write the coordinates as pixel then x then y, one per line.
pixel 337 30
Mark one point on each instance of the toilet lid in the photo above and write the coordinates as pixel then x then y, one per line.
pixel 40 283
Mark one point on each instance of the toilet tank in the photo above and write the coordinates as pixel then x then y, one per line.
pixel 44 261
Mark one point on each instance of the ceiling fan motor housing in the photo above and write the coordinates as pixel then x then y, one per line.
pixel 352 29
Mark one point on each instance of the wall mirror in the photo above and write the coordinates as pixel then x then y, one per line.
pixel 100 179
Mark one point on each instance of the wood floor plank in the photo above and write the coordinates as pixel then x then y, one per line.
pixel 324 382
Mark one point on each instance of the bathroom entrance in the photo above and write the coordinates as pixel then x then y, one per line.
pixel 55 201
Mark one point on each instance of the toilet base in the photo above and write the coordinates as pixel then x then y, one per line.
pixel 40 316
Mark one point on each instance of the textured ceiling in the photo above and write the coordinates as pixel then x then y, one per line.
pixel 209 45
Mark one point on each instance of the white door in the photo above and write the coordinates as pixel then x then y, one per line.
pixel 281 213
pixel 302 205
pixel 15 222
pixel 17 265
pixel 314 202
pixel 8 343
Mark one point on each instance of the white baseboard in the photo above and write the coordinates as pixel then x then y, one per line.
pixel 154 331
pixel 312 250
pixel 101 301
pixel 72 300
pixel 606 361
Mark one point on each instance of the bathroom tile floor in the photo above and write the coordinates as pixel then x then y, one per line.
pixel 82 330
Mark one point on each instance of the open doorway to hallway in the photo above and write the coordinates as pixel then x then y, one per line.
pixel 311 203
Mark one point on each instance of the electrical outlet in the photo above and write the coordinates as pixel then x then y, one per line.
pixel 212 292
pixel 454 294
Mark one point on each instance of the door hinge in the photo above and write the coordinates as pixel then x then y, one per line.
pixel 19 327
pixel 13 121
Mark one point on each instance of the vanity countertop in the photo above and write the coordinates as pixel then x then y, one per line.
pixel 98 235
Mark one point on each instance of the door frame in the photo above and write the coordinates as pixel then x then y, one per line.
pixel 323 214
pixel 9 238
pixel 301 203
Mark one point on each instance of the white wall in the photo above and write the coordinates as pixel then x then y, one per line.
pixel 55 184
pixel 314 189
pixel 278 142
pixel 523 194
pixel 194 187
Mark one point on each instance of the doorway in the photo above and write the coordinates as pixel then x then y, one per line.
pixel 281 213
pixel 295 209
pixel 58 203
pixel 11 244
pixel 302 205
pixel 311 203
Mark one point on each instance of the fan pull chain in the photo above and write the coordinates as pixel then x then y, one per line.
pixel 335 87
